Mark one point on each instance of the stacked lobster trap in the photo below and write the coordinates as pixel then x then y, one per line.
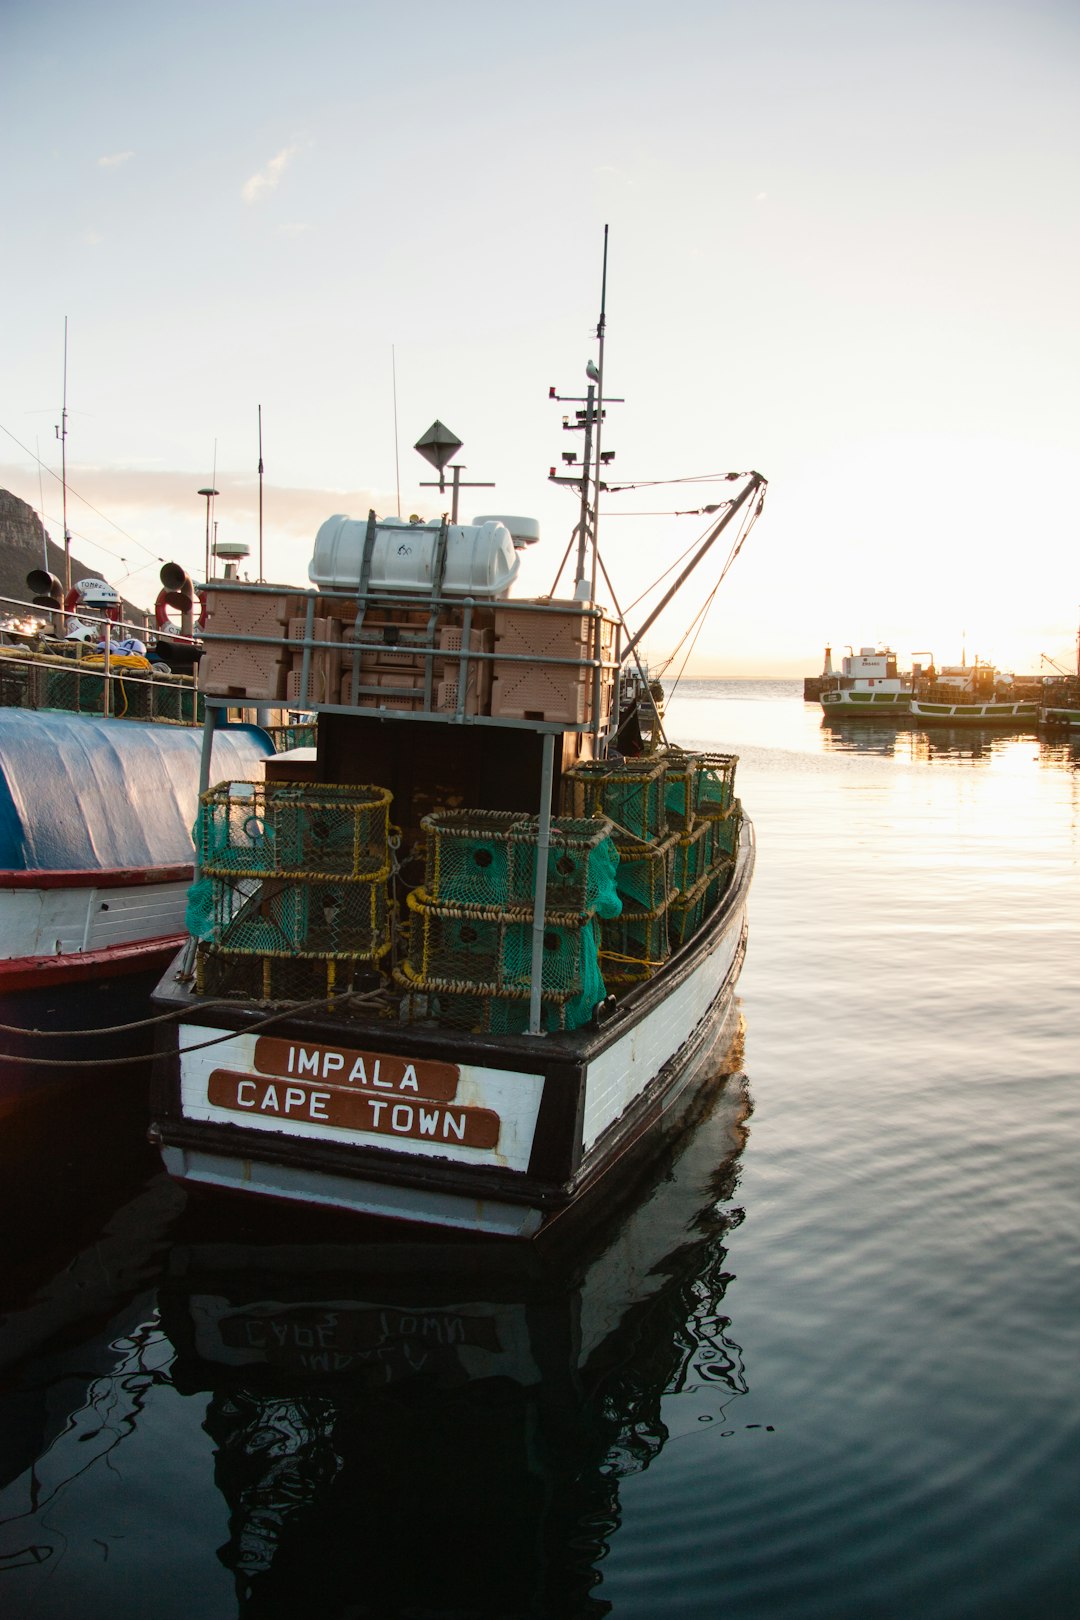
pixel 470 937
pixel 676 828
pixel 293 897
pixel 296 895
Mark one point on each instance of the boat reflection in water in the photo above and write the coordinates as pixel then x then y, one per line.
pixel 440 1427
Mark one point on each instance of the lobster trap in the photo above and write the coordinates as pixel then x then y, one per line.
pixel 692 855
pixel 629 793
pixel 725 832
pixel 633 946
pixel 682 785
pixel 277 978
pixel 468 857
pixel 293 896
pixel 715 784
pixel 644 877
pixel 300 830
pixel 582 863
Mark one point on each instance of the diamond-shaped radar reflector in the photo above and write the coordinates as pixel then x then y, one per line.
pixel 438 445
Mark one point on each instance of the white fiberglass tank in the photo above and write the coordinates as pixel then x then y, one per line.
pixel 481 558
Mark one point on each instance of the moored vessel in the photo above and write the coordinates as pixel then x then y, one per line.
pixel 973 695
pixel 867 685
pixel 464 976
pixel 100 774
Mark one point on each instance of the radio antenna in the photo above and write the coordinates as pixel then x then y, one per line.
pixel 41 506
pixel 261 579
pixel 61 434
pixel 397 465
pixel 600 326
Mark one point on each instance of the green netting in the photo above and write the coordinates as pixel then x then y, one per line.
pixel 685 918
pixel 725 832
pixel 309 917
pixel 468 856
pixel 645 876
pixel 480 1015
pixel 692 856
pixel 572 985
pixel 581 866
pixel 231 832
pixel 200 909
pixel 716 783
pixel 633 946
pixel 277 978
pixel 301 830
pixel 682 780
pixel 492 951
pixel 630 793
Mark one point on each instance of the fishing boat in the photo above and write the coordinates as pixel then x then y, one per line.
pixel 463 976
pixel 867 685
pixel 973 695
pixel 100 774
pixel 1059 708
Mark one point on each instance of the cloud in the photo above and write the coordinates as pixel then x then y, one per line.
pixel 268 177
pixel 295 229
pixel 113 160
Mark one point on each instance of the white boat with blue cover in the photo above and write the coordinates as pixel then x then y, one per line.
pixel 96 858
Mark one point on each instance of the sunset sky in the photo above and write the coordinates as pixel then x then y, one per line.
pixel 844 250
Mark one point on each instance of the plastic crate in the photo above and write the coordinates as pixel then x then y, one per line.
pixel 253 670
pixel 551 692
pixel 478 670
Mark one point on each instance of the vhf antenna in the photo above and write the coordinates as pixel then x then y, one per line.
pixel 261 576
pixel 61 434
pixel 600 325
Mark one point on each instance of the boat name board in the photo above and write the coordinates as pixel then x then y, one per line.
pixel 346 1329
pixel 353 1110
pixel 380 1071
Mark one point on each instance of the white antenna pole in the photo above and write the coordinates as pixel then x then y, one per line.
pixel 397 465
pixel 210 511
pixel 61 434
pixel 261 575
pixel 601 324
pixel 41 508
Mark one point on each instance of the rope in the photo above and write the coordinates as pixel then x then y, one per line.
pixel 292 1011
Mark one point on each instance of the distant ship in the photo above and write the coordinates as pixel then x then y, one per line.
pixel 868 683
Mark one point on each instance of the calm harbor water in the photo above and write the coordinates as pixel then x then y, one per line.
pixel 822 1364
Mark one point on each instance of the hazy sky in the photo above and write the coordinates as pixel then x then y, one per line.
pixel 844 250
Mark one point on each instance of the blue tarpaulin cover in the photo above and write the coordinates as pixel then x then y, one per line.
pixel 79 793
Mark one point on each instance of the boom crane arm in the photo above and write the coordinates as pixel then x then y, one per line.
pixel 756 484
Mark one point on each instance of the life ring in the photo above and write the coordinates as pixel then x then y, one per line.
pixel 79 597
pixel 177 599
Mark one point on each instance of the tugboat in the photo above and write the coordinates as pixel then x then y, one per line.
pixel 463 976
pixel 868 685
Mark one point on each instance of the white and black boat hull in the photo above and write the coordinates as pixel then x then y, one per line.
pixel 567 1108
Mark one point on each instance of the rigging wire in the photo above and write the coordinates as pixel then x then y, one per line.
pixel 749 519
pixel 104 516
